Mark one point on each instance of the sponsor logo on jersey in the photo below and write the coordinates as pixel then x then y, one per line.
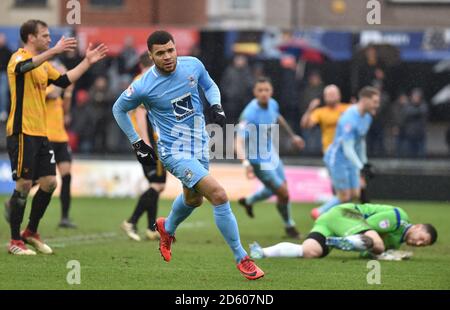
pixel 182 107
pixel 384 224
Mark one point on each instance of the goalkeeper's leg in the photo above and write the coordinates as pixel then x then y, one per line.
pixel 313 247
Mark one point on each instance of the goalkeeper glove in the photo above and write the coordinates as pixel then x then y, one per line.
pixel 218 115
pixel 145 154
pixel 368 171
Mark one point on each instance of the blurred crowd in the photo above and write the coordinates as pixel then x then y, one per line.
pixel 398 130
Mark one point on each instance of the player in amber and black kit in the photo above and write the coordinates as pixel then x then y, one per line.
pixel 58 115
pixel 31 156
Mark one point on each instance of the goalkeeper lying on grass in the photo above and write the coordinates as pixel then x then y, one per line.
pixel 374 230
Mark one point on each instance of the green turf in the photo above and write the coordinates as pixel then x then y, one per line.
pixel 201 260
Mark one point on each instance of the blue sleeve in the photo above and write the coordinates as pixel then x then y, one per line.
pixel 212 92
pixel 348 127
pixel 350 153
pixel 363 151
pixel 129 100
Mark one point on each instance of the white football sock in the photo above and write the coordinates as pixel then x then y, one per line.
pixel 284 249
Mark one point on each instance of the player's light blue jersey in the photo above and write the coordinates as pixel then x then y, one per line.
pixel 352 127
pixel 175 108
pixel 256 126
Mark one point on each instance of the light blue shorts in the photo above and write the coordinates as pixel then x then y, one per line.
pixel 273 178
pixel 344 176
pixel 188 171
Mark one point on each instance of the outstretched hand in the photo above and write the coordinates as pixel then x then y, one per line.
pixel 94 55
pixel 65 45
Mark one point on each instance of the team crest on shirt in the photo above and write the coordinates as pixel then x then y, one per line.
pixel 188 174
pixel 192 81
pixel 130 91
pixel 348 128
pixel 384 224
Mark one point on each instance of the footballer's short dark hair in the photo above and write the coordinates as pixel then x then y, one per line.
pixel 30 27
pixel 159 37
pixel 431 230
pixel 145 61
pixel 263 79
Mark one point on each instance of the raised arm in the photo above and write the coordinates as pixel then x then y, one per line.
pixel 93 55
pixel 297 141
pixel 307 121
pixel 63 45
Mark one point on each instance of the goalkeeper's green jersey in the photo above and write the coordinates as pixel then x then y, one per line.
pixel 390 222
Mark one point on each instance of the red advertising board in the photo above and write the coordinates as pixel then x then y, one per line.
pixel 114 37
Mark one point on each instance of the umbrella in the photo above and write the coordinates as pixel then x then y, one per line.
pixel 303 50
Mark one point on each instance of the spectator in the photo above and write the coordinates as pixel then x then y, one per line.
pixel 364 70
pixel 414 124
pixel 128 58
pixel 375 136
pixel 313 90
pixel 83 123
pixel 101 101
pixel 236 87
pixel 5 55
pixel 397 128
pixel 288 94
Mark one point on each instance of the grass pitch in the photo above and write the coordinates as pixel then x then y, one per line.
pixel 201 260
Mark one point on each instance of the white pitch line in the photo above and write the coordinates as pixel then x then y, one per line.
pixel 62 242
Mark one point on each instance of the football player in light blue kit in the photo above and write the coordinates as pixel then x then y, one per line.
pixel 261 113
pixel 346 157
pixel 169 91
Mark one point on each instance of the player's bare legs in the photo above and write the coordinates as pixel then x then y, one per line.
pixel 378 244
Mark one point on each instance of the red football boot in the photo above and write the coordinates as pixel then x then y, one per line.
pixel 165 241
pixel 248 269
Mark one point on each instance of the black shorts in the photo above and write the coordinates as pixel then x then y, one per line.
pixel 322 240
pixel 63 153
pixel 155 174
pixel 31 157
